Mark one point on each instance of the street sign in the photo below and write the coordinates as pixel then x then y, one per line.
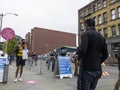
pixel 8 33
pixel 64 66
pixel 3 61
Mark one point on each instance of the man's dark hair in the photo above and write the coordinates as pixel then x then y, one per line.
pixel 22 40
pixel 90 22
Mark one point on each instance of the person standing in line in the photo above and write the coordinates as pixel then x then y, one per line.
pixel 19 61
pixel 74 60
pixel 117 84
pixel 29 58
pixel 48 61
pixel 34 57
pixel 53 59
pixel 91 53
pixel 11 58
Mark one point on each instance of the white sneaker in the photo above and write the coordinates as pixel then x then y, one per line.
pixel 20 80
pixel 15 80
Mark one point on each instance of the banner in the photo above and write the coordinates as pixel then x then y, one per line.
pixel 3 61
pixel 64 66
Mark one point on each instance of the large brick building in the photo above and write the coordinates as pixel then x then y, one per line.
pixel 106 14
pixel 43 40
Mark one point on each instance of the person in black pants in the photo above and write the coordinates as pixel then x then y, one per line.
pixel 20 63
pixel 53 58
pixel 11 58
pixel 92 52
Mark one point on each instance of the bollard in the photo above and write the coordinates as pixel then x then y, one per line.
pixel 5 74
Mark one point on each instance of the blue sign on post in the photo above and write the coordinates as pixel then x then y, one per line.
pixel 3 61
pixel 64 66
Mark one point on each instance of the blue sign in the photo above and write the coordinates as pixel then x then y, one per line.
pixel 64 65
pixel 2 63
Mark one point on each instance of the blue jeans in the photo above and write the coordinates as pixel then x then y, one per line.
pixel 89 80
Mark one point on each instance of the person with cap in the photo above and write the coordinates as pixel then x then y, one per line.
pixel 92 52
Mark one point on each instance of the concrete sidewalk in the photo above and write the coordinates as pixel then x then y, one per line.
pixel 47 82
pixel 106 84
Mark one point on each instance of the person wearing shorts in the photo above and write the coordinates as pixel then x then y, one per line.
pixel 20 63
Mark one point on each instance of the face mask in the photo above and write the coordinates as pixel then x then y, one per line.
pixel 23 42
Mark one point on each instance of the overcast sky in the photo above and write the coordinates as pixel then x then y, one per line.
pixel 61 15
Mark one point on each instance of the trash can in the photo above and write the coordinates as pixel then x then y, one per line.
pixel 5 74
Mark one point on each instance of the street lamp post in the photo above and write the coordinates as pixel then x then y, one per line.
pixel 2 15
pixel 6 66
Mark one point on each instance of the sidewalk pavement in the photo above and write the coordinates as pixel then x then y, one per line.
pixel 46 81
pixel 106 84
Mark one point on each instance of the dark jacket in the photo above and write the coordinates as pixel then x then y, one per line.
pixel 93 50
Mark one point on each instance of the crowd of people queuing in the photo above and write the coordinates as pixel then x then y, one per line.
pixel 23 57
pixel 51 60
pixel 32 58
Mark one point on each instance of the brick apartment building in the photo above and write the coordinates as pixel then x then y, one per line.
pixel 43 40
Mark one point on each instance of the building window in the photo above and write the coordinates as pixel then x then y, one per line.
pixel 85 13
pixel 113 14
pixel 119 28
pixel 95 8
pixel 100 31
pixel 95 20
pixel 105 31
pixel 104 3
pixel 89 10
pixel 99 19
pixel 105 18
pixel 119 12
pixel 99 5
pixel 113 28
pixel 112 1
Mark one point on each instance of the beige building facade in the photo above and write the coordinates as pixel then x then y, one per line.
pixel 106 14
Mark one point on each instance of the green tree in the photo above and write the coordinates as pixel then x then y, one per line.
pixel 9 46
